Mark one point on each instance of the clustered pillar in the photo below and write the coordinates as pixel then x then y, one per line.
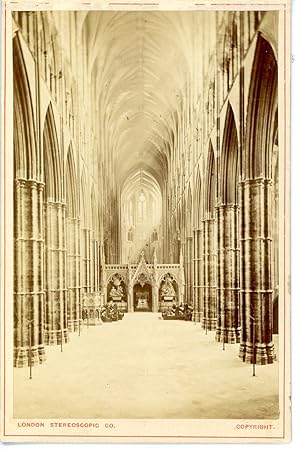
pixel 209 318
pixel 97 266
pixel 228 274
pixel 256 274
pixel 188 270
pixel 197 276
pixel 29 293
pixel 86 259
pixel 73 261
pixel 56 318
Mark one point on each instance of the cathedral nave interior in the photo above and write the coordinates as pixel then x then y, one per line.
pixel 146 198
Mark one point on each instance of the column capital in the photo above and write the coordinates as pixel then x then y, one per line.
pixel 74 220
pixel 209 219
pixel 232 206
pixel 256 182
pixel 33 184
pixel 57 205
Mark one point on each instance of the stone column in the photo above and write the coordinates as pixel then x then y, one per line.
pixel 56 308
pixel 155 297
pixel 130 297
pixel 209 318
pixel 228 274
pixel 73 272
pixel 188 262
pixel 92 262
pixel 102 279
pixel 86 259
pixel 105 294
pixel 256 274
pixel 170 255
pixel 96 265
pixel 201 273
pixel 177 246
pixel 28 271
pixel 196 276
pixel 183 255
pixel 181 280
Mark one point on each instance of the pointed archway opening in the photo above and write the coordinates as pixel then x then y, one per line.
pixel 142 297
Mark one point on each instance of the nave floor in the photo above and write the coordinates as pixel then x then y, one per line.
pixel 144 367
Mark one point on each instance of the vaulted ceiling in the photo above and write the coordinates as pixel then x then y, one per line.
pixel 142 66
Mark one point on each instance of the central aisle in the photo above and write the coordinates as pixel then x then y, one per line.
pixel 145 367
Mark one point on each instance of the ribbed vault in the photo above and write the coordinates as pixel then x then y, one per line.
pixel 141 66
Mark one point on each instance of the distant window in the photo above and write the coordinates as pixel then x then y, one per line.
pixel 142 205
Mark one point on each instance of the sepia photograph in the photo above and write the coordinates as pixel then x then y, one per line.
pixel 145 257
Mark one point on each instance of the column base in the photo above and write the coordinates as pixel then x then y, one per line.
pixel 196 317
pixel 21 356
pixel 55 337
pixel 73 325
pixel 209 323
pixel 42 354
pixel 228 335
pixel 264 353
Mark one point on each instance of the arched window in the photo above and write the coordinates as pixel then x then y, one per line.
pixel 142 205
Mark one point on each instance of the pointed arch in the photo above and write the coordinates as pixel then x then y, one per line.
pixel 197 205
pixel 262 109
pixel 52 66
pixel 275 226
pixel 24 135
pixel 210 198
pixel 229 161
pixel 71 188
pixel 44 33
pixel 52 166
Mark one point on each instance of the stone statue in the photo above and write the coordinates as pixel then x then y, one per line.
pixel 167 289
pixel 116 291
